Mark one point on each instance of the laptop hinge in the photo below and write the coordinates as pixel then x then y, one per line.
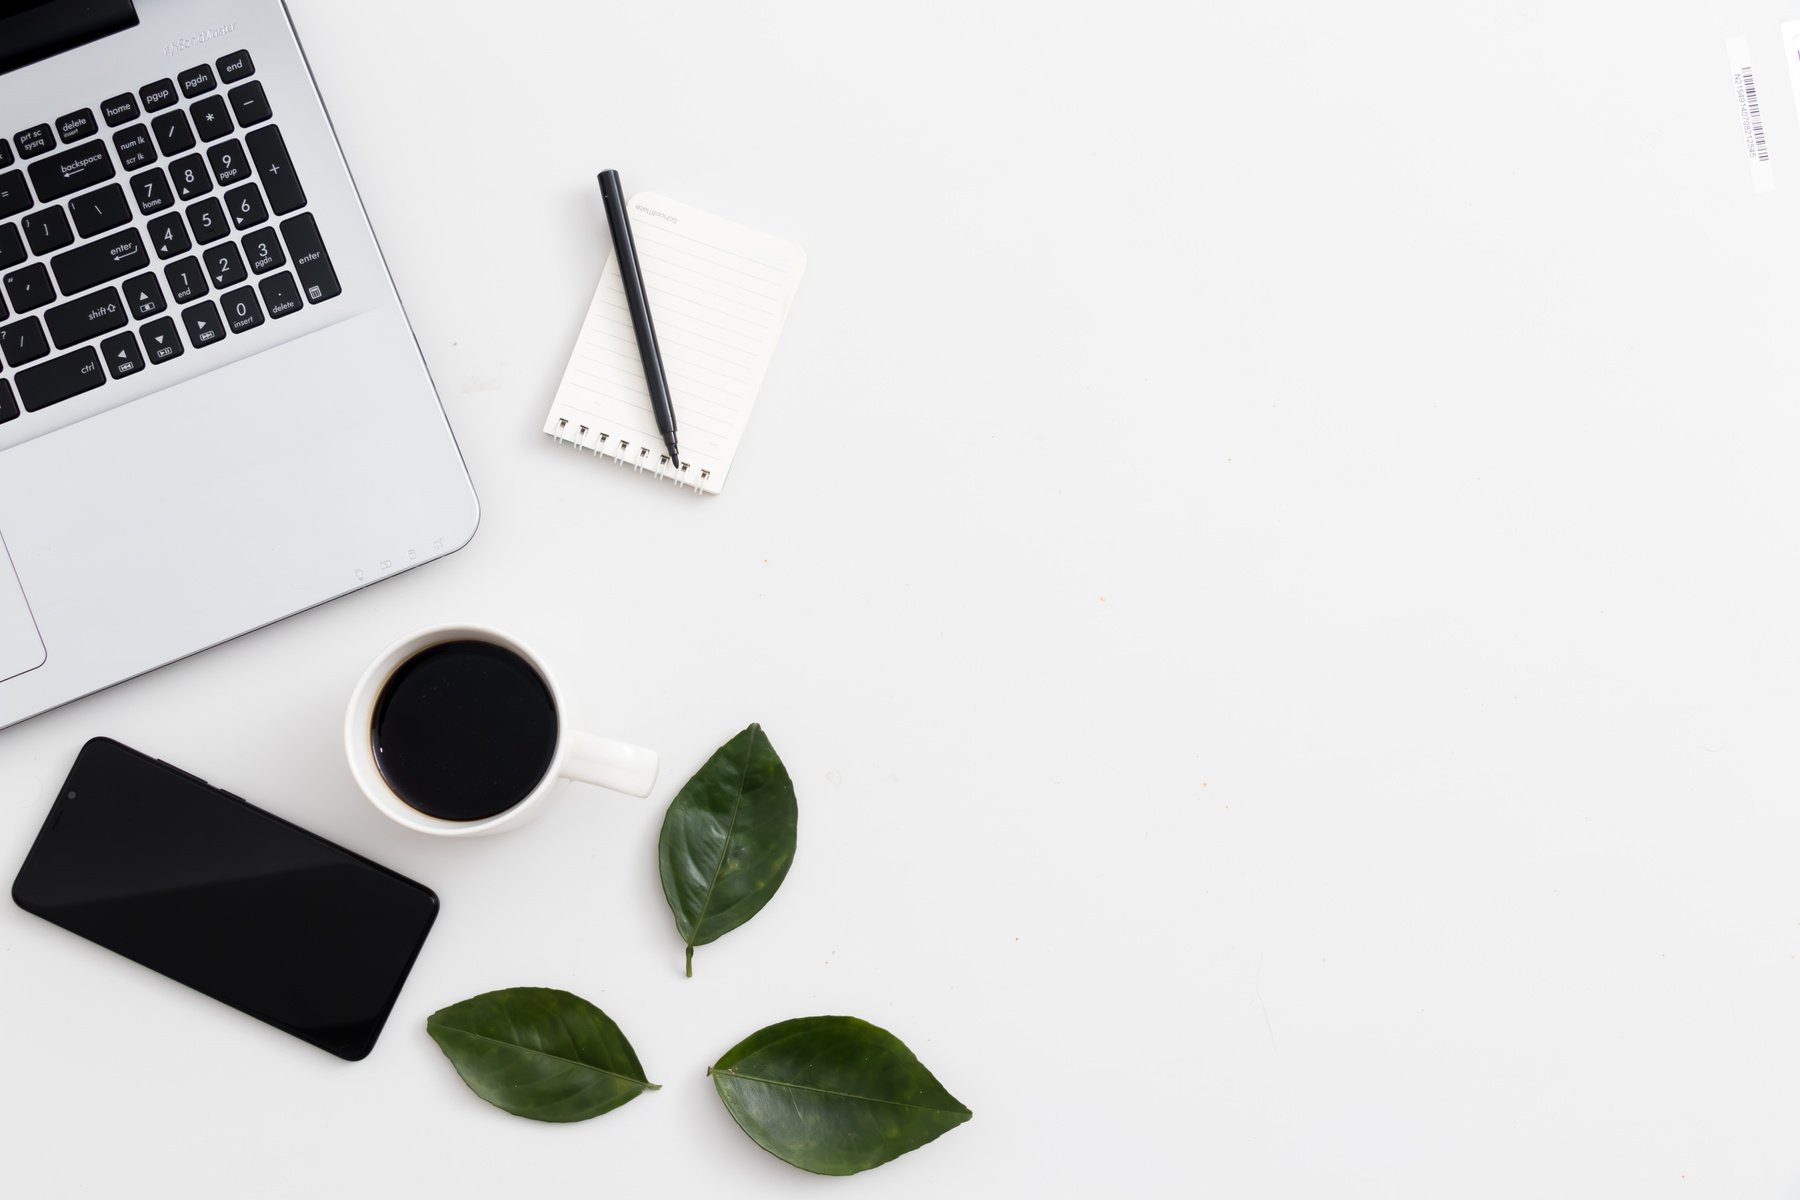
pixel 33 31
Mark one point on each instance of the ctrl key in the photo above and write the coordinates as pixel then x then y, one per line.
pixel 55 381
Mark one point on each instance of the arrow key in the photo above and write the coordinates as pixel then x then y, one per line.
pixel 144 295
pixel 203 324
pixel 121 355
pixel 161 340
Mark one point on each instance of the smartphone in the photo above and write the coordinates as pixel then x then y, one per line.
pixel 213 892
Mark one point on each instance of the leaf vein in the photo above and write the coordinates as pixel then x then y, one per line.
pixel 844 1095
pixel 574 1062
pixel 737 806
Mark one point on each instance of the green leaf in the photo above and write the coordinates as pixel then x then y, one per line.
pixel 728 839
pixel 539 1053
pixel 833 1095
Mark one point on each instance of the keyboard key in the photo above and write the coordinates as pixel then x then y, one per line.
pixel 29 288
pixel 203 324
pixel 169 236
pixel 225 266
pixel 144 295
pixel 212 118
pixel 307 249
pixel 119 109
pixel 235 66
pixel 83 320
pixel 245 207
pixel 6 153
pixel 34 141
pixel 249 105
pixel 24 342
pixel 173 133
pixel 191 179
pixel 197 82
pixel 48 230
pixel 87 267
pixel 77 125
pixel 208 222
pixel 151 190
pixel 161 341
pixel 101 210
pixel 281 294
pixel 74 170
pixel 55 381
pixel 15 197
pixel 135 147
pixel 279 180
pixel 9 407
pixel 122 356
pixel 12 247
pixel 157 95
pixel 186 280
pixel 229 163
pixel 242 312
pixel 264 249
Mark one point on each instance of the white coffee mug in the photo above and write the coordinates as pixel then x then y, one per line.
pixel 582 756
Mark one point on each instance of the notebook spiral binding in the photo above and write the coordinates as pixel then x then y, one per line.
pixel 640 458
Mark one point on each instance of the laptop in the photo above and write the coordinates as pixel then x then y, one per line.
pixel 213 413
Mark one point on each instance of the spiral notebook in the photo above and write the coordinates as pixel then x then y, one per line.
pixel 719 294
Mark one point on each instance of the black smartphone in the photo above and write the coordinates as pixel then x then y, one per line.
pixel 235 902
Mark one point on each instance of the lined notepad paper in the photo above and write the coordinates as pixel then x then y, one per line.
pixel 719 294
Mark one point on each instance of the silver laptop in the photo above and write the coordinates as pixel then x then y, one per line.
pixel 213 413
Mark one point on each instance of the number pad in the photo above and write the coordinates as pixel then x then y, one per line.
pixel 229 165
pixel 135 148
pixel 186 280
pixel 198 165
pixel 169 236
pixel 264 250
pixel 191 179
pixel 173 133
pixel 207 220
pixel 225 266
pixel 245 207
pixel 212 118
pixel 151 190
pixel 242 312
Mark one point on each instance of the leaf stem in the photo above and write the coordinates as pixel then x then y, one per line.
pixel 690 962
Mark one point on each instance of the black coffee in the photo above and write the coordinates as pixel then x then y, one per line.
pixel 464 730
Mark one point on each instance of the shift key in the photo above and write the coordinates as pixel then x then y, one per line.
pixel 69 172
pixel 100 262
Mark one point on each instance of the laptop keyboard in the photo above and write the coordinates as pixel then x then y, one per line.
pixel 156 222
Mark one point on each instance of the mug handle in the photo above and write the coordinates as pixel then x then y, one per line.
pixel 610 764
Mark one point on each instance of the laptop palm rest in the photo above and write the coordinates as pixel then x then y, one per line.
pixel 21 649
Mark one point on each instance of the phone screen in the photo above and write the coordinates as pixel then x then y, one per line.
pixel 213 892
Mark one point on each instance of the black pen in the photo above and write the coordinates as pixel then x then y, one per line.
pixel 639 304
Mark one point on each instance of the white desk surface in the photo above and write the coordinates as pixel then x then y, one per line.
pixel 1268 548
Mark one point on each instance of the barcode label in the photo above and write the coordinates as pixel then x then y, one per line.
pixel 1759 142
pixel 1750 123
